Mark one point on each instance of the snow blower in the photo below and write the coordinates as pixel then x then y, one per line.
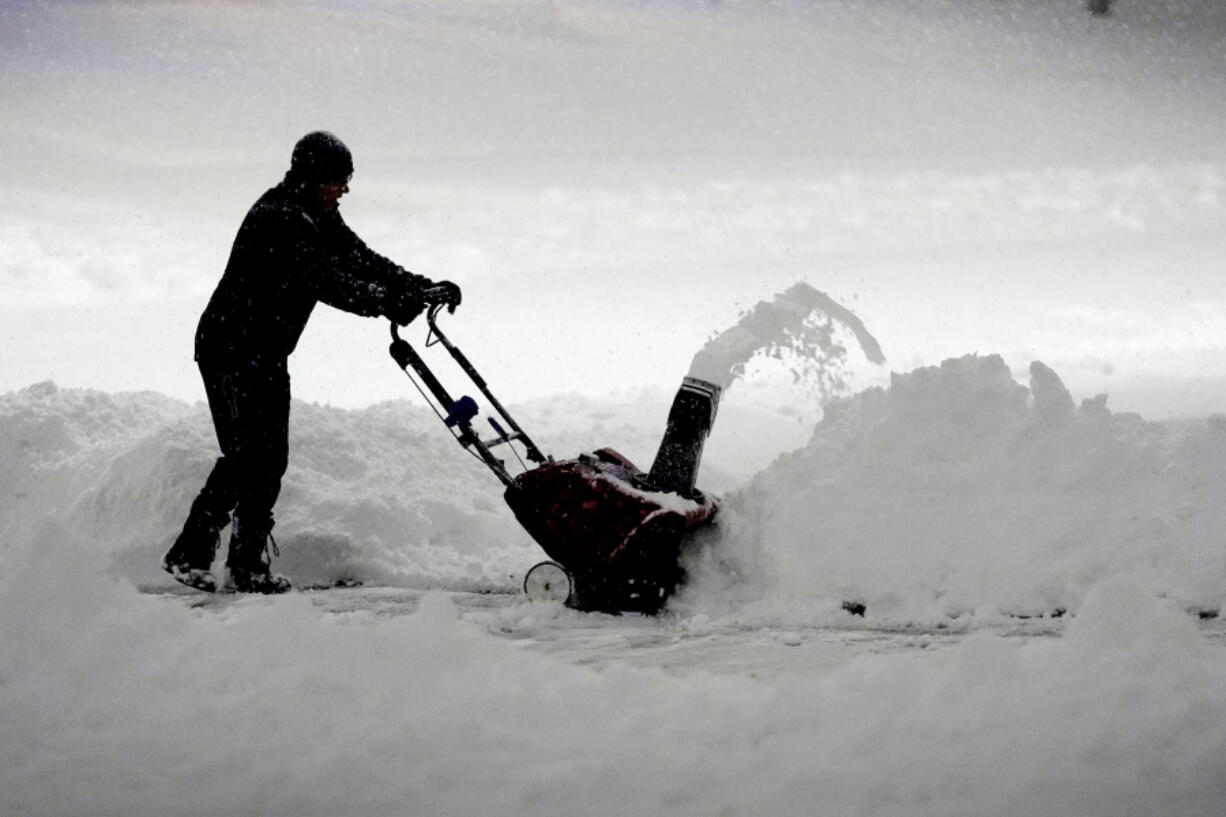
pixel 612 532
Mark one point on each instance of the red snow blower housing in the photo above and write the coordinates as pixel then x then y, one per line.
pixel 614 533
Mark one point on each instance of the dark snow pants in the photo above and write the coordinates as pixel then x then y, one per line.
pixel 250 407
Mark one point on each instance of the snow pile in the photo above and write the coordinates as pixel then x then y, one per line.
pixel 374 495
pixel 954 491
pixel 112 702
pixel 381 494
pixel 56 445
pixel 957 491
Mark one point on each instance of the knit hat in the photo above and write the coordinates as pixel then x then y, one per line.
pixel 320 157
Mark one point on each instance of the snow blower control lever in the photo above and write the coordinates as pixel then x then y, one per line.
pixel 458 415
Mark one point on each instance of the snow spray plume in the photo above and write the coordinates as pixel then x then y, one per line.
pixel 799 325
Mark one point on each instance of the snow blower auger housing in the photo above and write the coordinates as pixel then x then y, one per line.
pixel 614 533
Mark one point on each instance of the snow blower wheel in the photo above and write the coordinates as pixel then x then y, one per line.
pixel 548 581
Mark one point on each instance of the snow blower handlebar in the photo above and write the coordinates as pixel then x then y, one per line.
pixel 460 413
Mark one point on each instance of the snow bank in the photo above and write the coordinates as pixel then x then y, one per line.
pixel 956 491
pixel 379 495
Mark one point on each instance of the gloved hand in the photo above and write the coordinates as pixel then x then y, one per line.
pixel 403 307
pixel 443 293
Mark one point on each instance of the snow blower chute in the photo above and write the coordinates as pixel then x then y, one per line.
pixel 613 533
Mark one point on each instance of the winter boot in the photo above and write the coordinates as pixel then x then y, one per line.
pixel 250 564
pixel 190 558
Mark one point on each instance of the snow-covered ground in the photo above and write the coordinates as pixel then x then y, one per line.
pixel 984 184
pixel 963 511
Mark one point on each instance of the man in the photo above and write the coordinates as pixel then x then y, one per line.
pixel 292 250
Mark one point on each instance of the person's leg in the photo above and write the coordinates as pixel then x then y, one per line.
pixel 261 449
pixel 191 557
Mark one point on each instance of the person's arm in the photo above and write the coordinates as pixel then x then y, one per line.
pixel 334 272
pixel 369 265
pixel 414 291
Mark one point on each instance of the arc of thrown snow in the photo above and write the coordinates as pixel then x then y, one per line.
pixel 768 323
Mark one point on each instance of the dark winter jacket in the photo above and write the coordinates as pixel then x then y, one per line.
pixel 289 254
